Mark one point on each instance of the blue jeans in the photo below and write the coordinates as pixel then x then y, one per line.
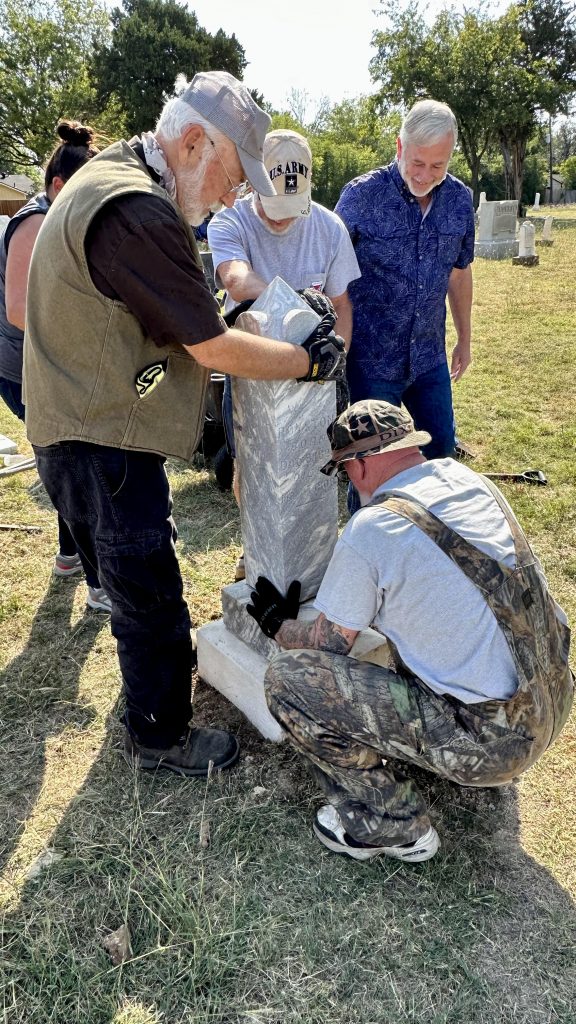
pixel 428 399
pixel 118 507
pixel 11 392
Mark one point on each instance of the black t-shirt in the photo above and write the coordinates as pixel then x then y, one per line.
pixel 138 253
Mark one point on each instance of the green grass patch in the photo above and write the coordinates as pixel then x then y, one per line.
pixel 263 926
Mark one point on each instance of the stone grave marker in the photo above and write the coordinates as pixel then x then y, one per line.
pixel 497 230
pixel 527 256
pixel 537 201
pixel 288 509
pixel 546 241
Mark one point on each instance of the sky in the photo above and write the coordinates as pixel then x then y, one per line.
pixel 319 46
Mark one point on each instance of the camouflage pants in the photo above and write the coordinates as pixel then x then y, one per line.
pixel 358 724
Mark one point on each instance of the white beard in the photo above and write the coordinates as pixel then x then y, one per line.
pixel 189 186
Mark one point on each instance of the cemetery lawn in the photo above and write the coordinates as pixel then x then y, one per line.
pixel 236 913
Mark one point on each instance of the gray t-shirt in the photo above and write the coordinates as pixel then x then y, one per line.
pixel 387 573
pixel 315 251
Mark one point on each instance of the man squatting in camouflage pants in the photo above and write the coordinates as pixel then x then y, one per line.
pixel 436 561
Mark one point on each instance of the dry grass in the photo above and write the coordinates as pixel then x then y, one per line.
pixel 263 926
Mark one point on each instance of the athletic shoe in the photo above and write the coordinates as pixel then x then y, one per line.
pixel 330 831
pixel 67 565
pixel 192 755
pixel 240 571
pixel 98 600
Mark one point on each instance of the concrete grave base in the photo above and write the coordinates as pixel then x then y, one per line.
pixel 496 250
pixel 525 261
pixel 237 670
pixel 7 446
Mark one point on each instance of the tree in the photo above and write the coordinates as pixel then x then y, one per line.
pixel 46 49
pixel 568 172
pixel 152 42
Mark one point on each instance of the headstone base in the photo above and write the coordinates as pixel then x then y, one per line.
pixel 7 446
pixel 525 261
pixel 495 250
pixel 237 671
pixel 545 242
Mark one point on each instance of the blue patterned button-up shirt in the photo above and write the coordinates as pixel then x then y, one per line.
pixel 406 260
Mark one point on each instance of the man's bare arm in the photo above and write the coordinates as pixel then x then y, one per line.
pixel 320 635
pixel 343 325
pixel 240 280
pixel 460 289
pixel 246 355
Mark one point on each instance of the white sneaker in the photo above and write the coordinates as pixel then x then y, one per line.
pixel 330 831
pixel 67 565
pixel 98 600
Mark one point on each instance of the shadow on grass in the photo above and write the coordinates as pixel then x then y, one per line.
pixel 39 690
pixel 205 516
pixel 237 914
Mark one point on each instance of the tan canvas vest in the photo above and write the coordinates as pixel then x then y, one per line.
pixel 538 641
pixel 84 353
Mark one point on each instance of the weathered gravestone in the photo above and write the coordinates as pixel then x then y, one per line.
pixel 527 252
pixel 497 230
pixel 537 201
pixel 546 241
pixel 288 509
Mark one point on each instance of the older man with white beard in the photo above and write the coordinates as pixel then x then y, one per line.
pixel 121 330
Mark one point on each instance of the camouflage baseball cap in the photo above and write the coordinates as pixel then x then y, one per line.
pixel 369 427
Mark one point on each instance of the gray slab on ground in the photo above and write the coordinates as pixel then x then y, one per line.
pixel 7 446
pixel 496 250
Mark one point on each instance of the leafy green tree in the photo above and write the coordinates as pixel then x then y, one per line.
pixel 152 42
pixel 45 51
pixel 568 172
pixel 335 164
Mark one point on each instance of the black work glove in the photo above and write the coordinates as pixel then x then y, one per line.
pixel 326 351
pixel 231 317
pixel 270 609
pixel 317 301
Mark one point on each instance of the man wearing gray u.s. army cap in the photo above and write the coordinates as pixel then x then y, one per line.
pixel 474 682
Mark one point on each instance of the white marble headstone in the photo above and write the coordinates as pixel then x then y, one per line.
pixel 547 229
pixel 288 509
pixel 527 239
pixel 537 201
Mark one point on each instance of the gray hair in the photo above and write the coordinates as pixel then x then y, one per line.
pixel 427 122
pixel 177 115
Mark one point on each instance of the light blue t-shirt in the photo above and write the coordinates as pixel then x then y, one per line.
pixel 315 251
pixel 387 573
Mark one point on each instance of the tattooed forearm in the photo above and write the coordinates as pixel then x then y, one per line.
pixel 321 635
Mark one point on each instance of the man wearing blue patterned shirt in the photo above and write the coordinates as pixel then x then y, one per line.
pixel 412 226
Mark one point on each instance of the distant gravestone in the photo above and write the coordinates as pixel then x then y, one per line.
pixel 546 241
pixel 537 201
pixel 497 230
pixel 527 256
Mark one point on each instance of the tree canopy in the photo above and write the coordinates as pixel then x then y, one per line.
pixel 152 42
pixel 46 51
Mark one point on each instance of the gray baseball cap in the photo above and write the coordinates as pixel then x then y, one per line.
pixel 227 104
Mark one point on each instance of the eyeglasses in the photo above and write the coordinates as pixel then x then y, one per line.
pixel 240 190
